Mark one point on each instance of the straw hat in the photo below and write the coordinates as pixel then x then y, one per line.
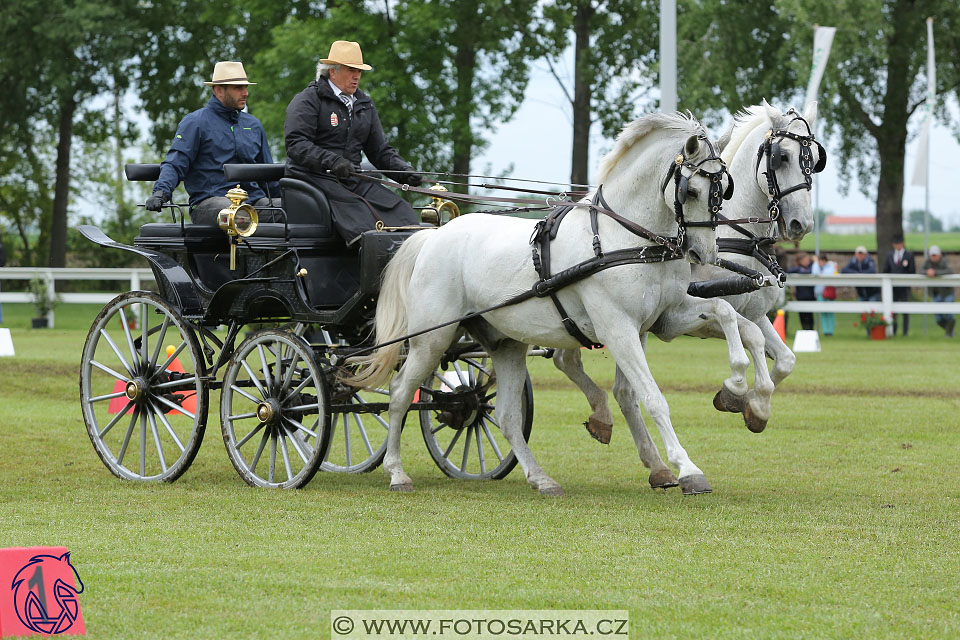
pixel 348 54
pixel 229 73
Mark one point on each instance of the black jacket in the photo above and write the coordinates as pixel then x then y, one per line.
pixel 907 264
pixel 318 131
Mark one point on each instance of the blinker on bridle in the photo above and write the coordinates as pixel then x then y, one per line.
pixel 775 157
pixel 716 194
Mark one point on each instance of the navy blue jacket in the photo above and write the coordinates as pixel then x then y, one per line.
pixel 206 140
pixel 867 266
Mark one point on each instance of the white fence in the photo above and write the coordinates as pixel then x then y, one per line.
pixel 134 277
pixel 886 282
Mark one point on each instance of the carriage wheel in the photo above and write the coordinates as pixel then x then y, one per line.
pixel 358 441
pixel 141 389
pixel 466 442
pixel 273 411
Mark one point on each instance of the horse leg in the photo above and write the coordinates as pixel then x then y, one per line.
pixel 626 347
pixel 600 422
pixel 509 362
pixel 783 358
pixel 422 359
pixel 660 475
pixel 714 318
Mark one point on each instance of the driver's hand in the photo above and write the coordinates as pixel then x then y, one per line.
pixel 342 168
pixel 155 201
pixel 412 179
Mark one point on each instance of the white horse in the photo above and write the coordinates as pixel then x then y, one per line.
pixel 478 261
pixel 761 142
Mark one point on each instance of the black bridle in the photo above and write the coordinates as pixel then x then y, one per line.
pixel 681 188
pixel 775 159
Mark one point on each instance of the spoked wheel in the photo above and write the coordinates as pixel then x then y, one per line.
pixel 465 440
pixel 141 389
pixel 273 411
pixel 358 439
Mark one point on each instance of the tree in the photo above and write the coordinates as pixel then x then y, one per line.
pixel 735 52
pixel 916 218
pixel 611 72
pixel 875 81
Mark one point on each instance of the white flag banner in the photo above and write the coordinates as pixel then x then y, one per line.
pixel 822 41
pixel 923 148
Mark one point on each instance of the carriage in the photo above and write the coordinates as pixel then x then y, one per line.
pixel 265 320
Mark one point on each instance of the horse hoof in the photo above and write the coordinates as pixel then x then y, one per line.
pixel 406 487
pixel 663 479
pixel 755 423
pixel 694 485
pixel 601 431
pixel 555 491
pixel 725 400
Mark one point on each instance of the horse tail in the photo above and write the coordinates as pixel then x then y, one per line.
pixel 391 318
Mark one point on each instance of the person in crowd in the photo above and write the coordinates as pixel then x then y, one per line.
pixel 804 265
pixel 327 126
pixel 825 267
pixel 3 262
pixel 899 260
pixel 861 262
pixel 934 266
pixel 218 134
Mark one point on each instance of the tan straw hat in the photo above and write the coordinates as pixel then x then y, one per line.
pixel 348 54
pixel 229 73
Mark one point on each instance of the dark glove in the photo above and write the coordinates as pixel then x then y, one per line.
pixel 155 202
pixel 342 168
pixel 412 179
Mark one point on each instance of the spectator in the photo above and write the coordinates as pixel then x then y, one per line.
pixel 861 262
pixel 3 262
pixel 825 267
pixel 218 134
pixel 934 266
pixel 900 261
pixel 804 265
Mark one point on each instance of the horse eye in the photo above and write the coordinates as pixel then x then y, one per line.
pixel 693 192
pixel 784 156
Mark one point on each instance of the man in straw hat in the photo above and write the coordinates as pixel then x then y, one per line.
pixel 328 125
pixel 218 134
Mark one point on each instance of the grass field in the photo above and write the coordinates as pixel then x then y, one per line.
pixel 839 521
pixel 946 240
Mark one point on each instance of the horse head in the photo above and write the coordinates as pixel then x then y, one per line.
pixel 672 152
pixel 779 153
pixel 44 596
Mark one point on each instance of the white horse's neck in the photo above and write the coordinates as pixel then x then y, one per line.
pixel 632 188
pixel 748 198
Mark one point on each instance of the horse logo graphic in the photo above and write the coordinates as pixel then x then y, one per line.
pixel 34 585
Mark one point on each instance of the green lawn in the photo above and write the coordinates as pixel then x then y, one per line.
pixel 946 240
pixel 839 521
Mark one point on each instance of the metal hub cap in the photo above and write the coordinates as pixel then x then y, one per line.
pixel 135 388
pixel 268 411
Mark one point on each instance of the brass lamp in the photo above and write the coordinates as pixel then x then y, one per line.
pixel 239 220
pixel 432 213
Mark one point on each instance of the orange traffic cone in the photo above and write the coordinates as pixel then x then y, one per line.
pixel 780 325
pixel 189 398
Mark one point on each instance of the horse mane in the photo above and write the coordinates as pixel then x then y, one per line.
pixel 746 122
pixel 641 127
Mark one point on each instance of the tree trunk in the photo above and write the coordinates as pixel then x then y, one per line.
pixel 580 160
pixel 892 135
pixel 58 225
pixel 462 134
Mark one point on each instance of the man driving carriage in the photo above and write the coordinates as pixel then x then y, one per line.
pixel 218 134
pixel 327 126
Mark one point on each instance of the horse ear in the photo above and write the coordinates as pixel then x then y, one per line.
pixel 692 145
pixel 772 112
pixel 810 113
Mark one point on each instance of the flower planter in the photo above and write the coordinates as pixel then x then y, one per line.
pixel 878 332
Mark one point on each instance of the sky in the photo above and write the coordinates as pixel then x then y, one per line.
pixel 537 141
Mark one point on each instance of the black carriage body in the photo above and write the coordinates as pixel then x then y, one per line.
pixel 298 271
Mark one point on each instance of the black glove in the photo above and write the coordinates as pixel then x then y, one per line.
pixel 342 168
pixel 155 202
pixel 412 179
